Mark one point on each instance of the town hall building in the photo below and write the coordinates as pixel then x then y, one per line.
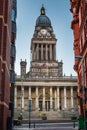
pixel 45 85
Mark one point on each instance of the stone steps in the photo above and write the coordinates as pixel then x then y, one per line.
pixel 49 114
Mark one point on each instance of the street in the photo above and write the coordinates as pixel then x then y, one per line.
pixel 48 126
pixel 47 129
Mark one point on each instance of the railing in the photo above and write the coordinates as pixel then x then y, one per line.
pixel 18 77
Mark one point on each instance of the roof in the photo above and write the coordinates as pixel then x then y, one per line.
pixel 43 20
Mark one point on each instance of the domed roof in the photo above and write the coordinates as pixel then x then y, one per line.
pixel 43 20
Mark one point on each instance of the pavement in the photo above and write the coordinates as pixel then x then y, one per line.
pixel 25 126
pixel 45 129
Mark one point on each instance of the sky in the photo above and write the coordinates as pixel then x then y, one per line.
pixel 59 13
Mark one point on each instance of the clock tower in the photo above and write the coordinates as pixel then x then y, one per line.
pixel 44 84
pixel 43 49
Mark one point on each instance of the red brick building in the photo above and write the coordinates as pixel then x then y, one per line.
pixel 6 62
pixel 79 27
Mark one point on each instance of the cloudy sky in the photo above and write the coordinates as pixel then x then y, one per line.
pixel 58 12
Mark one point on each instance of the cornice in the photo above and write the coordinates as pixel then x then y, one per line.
pixel 43 40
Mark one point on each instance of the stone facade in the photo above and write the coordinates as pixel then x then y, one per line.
pixel 44 84
pixel 47 94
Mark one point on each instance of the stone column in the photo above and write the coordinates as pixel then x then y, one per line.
pixel 46 52
pixel 22 97
pixel 51 52
pixel 65 98
pixel 29 93
pixel 71 97
pixel 41 51
pixel 54 51
pixel 37 51
pixel 51 101
pixel 15 97
pixel 36 98
pixel 43 98
pixel 33 53
pixel 58 104
pixel 55 100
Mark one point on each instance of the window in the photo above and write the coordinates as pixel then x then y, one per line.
pixel 13 51
pixel 12 76
pixel 13 15
pixel 13 27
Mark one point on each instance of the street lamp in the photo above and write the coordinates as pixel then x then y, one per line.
pixel 30 108
pixel 21 94
pixel 21 99
pixel 83 89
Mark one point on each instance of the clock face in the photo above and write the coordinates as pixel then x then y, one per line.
pixel 43 31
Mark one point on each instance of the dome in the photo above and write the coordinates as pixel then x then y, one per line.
pixel 43 20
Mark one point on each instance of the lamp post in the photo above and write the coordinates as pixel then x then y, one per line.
pixel 30 108
pixel 83 89
pixel 21 94
pixel 21 98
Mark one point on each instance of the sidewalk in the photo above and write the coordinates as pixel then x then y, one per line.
pixel 23 129
pixel 76 128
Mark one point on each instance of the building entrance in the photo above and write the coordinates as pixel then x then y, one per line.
pixel 47 105
pixel 40 106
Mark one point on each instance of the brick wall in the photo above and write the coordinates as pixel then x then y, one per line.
pixel 5 39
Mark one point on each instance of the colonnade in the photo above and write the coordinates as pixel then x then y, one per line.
pixel 43 52
pixel 57 99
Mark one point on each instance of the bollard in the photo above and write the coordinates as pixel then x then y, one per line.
pixel 73 124
pixel 34 124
